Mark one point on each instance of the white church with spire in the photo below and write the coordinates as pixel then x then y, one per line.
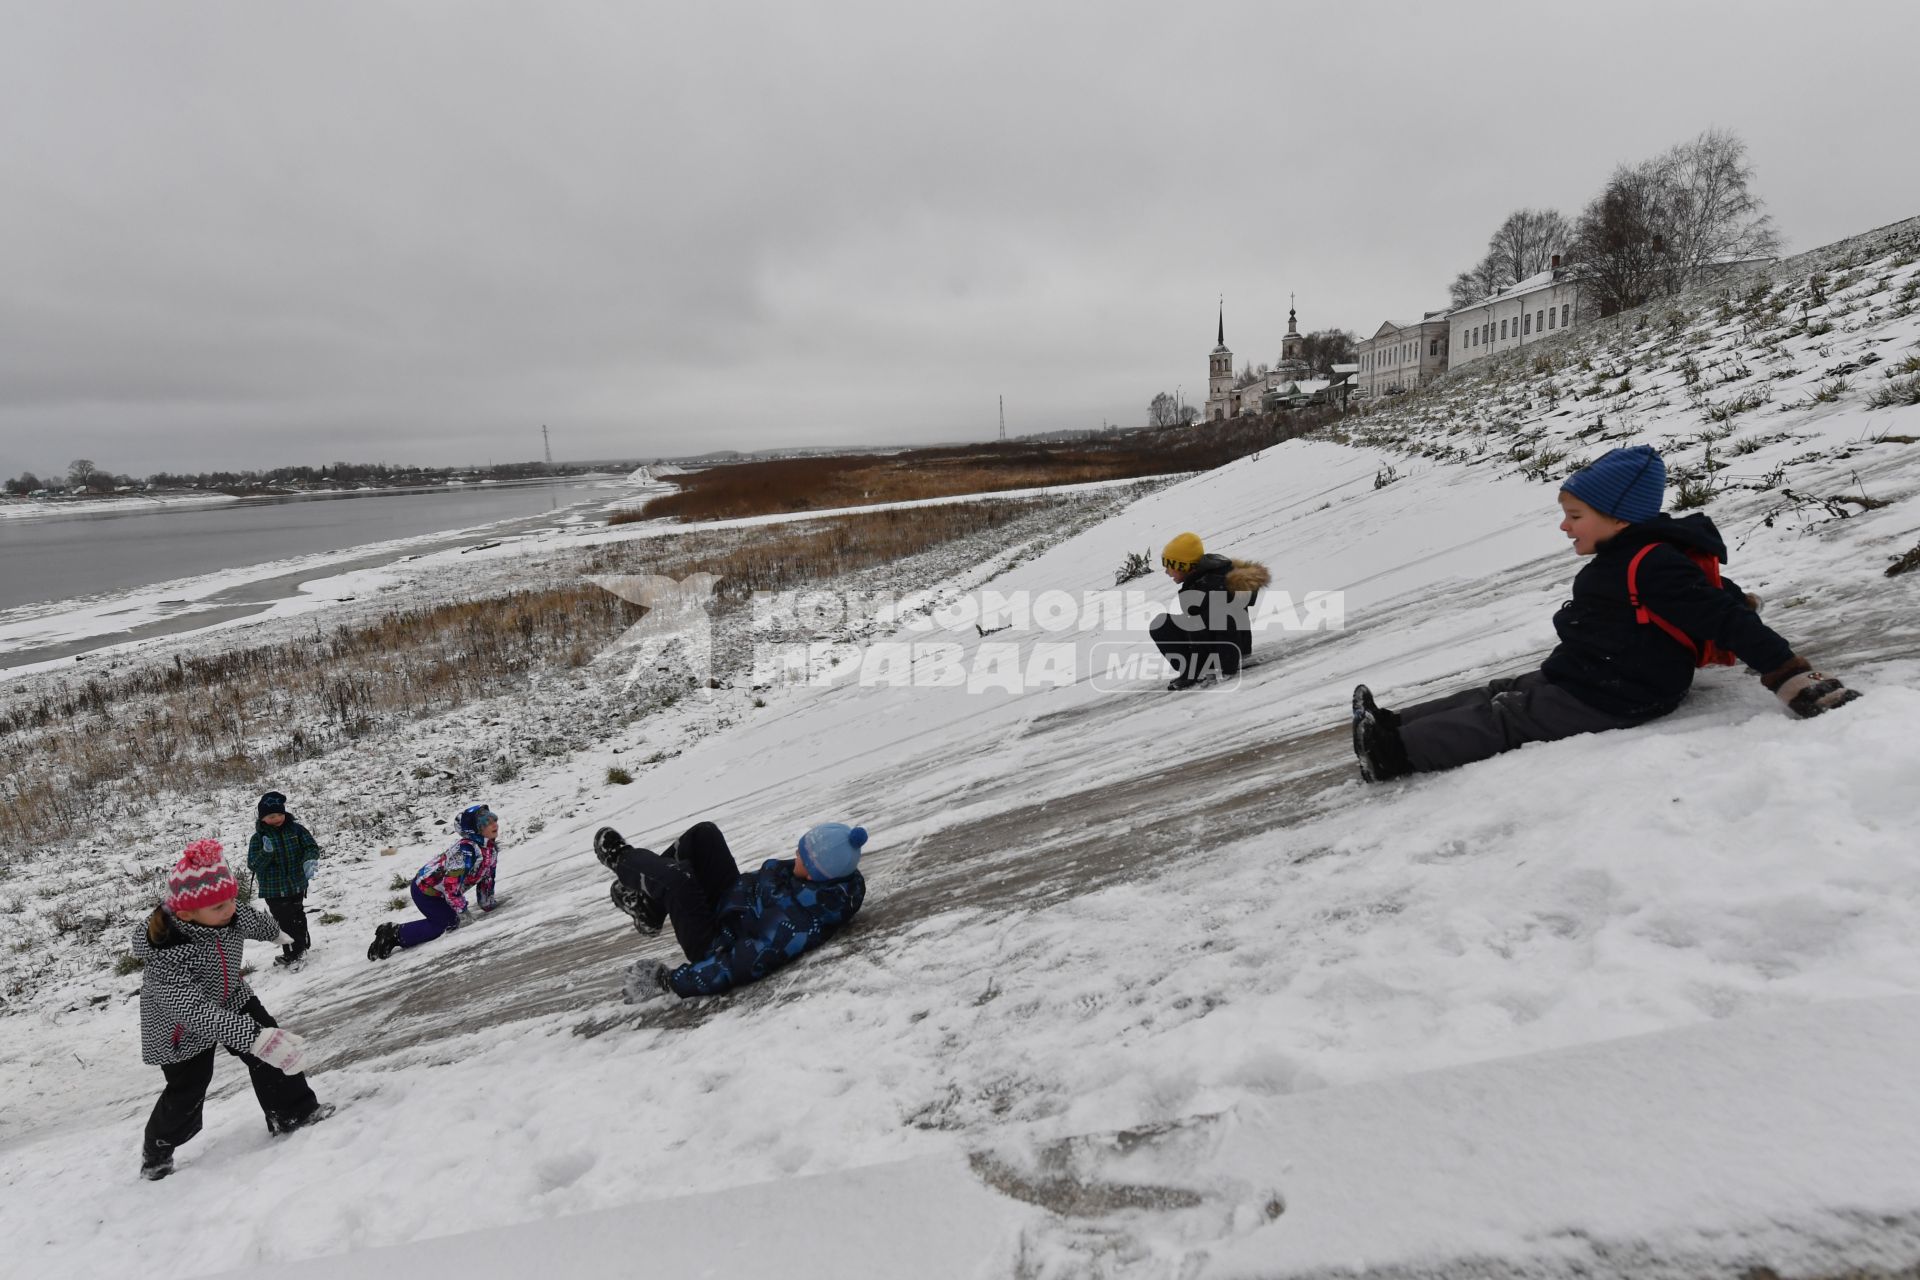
pixel 1290 378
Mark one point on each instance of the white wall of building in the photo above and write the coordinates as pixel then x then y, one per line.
pixel 1402 358
pixel 1514 320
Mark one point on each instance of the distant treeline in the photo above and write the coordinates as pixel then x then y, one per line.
pixel 83 475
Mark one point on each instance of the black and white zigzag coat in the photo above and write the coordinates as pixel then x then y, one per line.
pixel 192 993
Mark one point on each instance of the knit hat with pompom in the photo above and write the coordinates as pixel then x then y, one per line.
pixel 200 879
pixel 831 850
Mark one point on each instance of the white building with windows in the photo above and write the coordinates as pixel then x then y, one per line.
pixel 1400 357
pixel 1542 306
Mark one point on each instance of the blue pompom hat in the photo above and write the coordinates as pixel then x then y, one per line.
pixel 1627 484
pixel 832 850
pixel 474 817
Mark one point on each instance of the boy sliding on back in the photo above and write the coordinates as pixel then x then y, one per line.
pixel 1210 635
pixel 1644 614
pixel 734 927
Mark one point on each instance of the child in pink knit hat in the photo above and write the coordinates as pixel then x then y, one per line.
pixel 193 998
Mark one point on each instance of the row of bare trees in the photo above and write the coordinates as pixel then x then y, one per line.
pixel 1521 246
pixel 81 474
pixel 1652 231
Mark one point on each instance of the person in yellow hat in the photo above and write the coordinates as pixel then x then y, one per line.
pixel 1206 640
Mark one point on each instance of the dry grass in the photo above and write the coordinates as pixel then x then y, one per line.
pixel 1896 392
pixel 787 556
pixel 73 748
pixel 817 484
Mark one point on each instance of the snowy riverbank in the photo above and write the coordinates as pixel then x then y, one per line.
pixel 117 623
pixel 1147 984
pixel 29 508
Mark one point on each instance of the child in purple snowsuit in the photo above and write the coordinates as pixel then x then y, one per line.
pixel 439 888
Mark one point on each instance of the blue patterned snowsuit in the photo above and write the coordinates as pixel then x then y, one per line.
pixel 768 918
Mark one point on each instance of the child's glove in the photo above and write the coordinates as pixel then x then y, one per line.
pixel 487 902
pixel 642 986
pixel 1805 691
pixel 459 918
pixel 310 869
pixel 281 1049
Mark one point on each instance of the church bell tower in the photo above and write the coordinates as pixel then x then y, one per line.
pixel 1219 370
pixel 1293 346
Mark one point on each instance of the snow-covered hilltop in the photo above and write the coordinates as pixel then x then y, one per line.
pixel 1151 984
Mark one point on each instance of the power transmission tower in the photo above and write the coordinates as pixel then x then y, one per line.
pixel 548 444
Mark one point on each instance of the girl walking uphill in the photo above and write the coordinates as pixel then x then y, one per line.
pixel 193 998
pixel 440 888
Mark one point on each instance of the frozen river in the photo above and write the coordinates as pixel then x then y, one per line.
pixel 61 557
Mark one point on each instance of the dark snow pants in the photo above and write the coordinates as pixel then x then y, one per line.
pixel 1195 652
pixel 440 917
pixel 691 881
pixel 1475 724
pixel 290 913
pixel 176 1116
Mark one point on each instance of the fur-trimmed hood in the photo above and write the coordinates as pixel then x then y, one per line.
pixel 1248 575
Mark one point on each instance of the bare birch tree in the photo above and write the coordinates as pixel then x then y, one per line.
pixel 1525 243
pixel 1658 226
pixel 1166 410
pixel 1481 280
pixel 1709 213
pixel 1521 246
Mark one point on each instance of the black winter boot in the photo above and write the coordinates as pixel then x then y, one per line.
pixel 648 915
pixel 153 1168
pixel 287 1124
pixel 608 845
pixel 1376 739
pixel 385 938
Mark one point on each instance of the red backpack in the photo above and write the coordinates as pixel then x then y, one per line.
pixel 1704 655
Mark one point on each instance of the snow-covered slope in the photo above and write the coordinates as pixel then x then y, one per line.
pixel 1179 919
pixel 1622 1157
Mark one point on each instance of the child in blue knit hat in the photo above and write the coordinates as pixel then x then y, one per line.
pixel 1643 614
pixel 733 926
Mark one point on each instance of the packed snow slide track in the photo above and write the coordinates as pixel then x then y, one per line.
pixel 984 803
pixel 1028 855
pixel 994 804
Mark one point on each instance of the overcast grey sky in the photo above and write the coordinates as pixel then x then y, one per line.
pixel 241 234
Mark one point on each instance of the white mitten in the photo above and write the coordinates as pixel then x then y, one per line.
pixel 281 1049
pixel 284 940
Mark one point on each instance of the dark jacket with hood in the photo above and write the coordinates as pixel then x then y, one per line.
pixel 278 857
pixel 1219 596
pixel 1617 664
